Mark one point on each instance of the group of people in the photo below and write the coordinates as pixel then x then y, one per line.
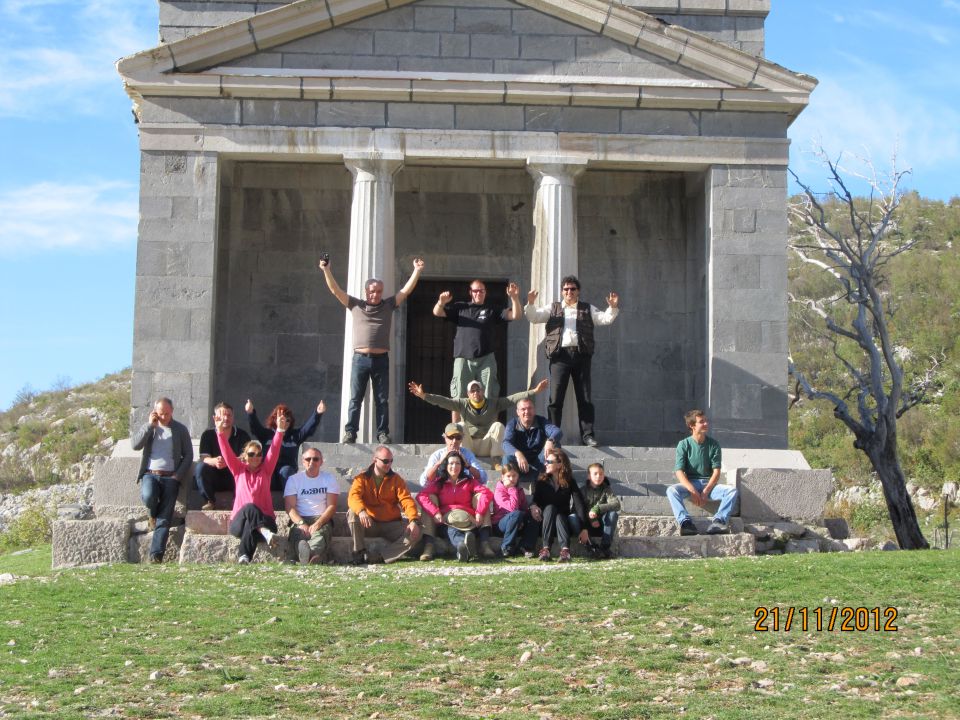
pixel 453 502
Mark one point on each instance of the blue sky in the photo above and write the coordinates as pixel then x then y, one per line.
pixel 69 163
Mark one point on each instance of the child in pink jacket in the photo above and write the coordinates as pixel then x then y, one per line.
pixel 511 514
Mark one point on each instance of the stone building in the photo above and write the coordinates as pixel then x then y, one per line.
pixel 640 145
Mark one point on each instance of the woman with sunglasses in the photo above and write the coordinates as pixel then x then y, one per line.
pixel 253 519
pixel 559 506
pixel 448 498
pixel 293 438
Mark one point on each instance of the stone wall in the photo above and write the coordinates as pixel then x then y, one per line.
pixel 736 22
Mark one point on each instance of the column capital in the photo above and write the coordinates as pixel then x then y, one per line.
pixel 373 165
pixel 560 169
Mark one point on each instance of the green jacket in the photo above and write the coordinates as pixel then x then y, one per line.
pixel 600 499
pixel 478 422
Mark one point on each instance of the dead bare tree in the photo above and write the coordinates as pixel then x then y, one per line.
pixel 854 247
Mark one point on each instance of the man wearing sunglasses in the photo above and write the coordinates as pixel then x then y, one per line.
pixel 378 501
pixel 475 319
pixel 569 345
pixel 310 499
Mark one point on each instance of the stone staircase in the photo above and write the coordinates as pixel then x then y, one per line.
pixel 640 477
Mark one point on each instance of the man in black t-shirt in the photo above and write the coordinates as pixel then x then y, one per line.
pixel 211 472
pixel 473 342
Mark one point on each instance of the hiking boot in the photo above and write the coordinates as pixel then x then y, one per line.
pixel 359 557
pixel 427 554
pixel 384 438
pixel 718 527
pixel 470 543
pixel 207 506
pixel 317 560
pixel 688 528
pixel 349 437
pixel 590 441
pixel 243 560
pixel 463 552
pixel 303 552
pixel 487 552
pixel 156 558
pixel 544 554
pixel 564 555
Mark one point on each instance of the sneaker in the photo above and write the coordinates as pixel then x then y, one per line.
pixel 718 527
pixel 384 438
pixel 152 524
pixel 528 554
pixel 270 537
pixel 316 560
pixel 590 441
pixel 243 560
pixel 544 554
pixel 349 437
pixel 463 552
pixel 470 543
pixel 594 551
pixel 359 557
pixel 303 552
pixel 156 558
pixel 688 528
pixel 427 554
pixel 207 506
pixel 564 555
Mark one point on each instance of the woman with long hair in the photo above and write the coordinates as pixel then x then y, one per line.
pixel 293 437
pixel 252 519
pixel 449 498
pixel 558 505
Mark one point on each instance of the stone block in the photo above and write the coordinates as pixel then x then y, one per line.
pixel 660 122
pixel 698 546
pixel 224 549
pixel 84 542
pixel 769 494
pixel 446 64
pixel 547 47
pixel 478 117
pixel 837 528
pixel 802 546
pixel 494 46
pixel 203 111
pixel 433 18
pixel 454 45
pixel 390 42
pixel 420 115
pixel 351 114
pixel 572 119
pixel 138 550
pixel 666 526
pixel 279 112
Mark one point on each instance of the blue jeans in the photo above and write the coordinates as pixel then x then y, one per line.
pixel 159 494
pixel 456 535
pixel 376 369
pixel 536 464
pixel 726 495
pixel 511 525
pixel 608 526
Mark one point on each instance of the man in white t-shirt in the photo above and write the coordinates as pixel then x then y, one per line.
pixel 310 499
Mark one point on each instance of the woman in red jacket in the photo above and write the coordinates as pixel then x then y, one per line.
pixel 448 498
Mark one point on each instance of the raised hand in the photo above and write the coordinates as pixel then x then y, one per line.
pixel 321 407
pixel 513 290
pixel 532 296
pixel 415 389
pixel 445 297
pixel 248 408
pixel 613 300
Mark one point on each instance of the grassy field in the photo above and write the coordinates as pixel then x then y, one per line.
pixel 622 639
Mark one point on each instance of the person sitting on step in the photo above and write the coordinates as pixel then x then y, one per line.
pixel 603 510
pixel 511 515
pixel 211 474
pixel 558 506
pixel 310 500
pixel 293 438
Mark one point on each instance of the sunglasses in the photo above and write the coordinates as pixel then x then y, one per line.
pixel 254 453
pixel 385 461
pixel 570 289
pixel 311 459
pixel 551 462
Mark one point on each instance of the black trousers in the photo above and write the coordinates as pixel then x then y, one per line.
pixel 567 364
pixel 246 526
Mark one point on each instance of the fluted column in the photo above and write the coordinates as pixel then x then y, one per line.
pixel 371 256
pixel 554 256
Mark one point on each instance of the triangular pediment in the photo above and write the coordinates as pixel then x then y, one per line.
pixel 604 54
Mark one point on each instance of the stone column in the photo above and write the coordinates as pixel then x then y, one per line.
pixel 554 256
pixel 747 306
pixel 174 302
pixel 371 256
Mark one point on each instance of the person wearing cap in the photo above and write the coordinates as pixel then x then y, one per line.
pixel 377 502
pixel 452 442
pixel 569 344
pixel 482 431
pixel 473 357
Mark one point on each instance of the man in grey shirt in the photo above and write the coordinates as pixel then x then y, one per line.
pixel 165 463
pixel 372 322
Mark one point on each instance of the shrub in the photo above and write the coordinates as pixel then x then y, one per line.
pixel 33 527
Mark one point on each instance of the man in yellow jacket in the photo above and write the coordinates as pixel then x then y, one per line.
pixel 378 499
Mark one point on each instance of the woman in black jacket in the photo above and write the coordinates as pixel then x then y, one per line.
pixel 559 506
pixel 293 438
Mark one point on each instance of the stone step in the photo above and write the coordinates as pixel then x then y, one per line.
pixel 696 546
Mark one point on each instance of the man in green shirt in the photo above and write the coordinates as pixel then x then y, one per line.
pixel 697 469
pixel 483 432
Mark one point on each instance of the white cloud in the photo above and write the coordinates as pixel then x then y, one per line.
pixel 50 216
pixel 59 52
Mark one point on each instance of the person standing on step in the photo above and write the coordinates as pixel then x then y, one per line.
pixel 697 468
pixel 475 319
pixel 310 499
pixel 378 499
pixel 211 474
pixel 372 319
pixel 293 438
pixel 164 464
pixel 253 519
pixel 569 344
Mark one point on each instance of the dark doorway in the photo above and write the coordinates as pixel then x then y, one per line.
pixel 430 354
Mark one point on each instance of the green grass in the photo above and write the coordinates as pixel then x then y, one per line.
pixel 626 639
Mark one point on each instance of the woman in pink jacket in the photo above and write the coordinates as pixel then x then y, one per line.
pixel 453 487
pixel 253 519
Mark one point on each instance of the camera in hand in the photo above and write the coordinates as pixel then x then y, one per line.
pixel 325 258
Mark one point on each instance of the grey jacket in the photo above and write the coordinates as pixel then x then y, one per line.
pixel 182 448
